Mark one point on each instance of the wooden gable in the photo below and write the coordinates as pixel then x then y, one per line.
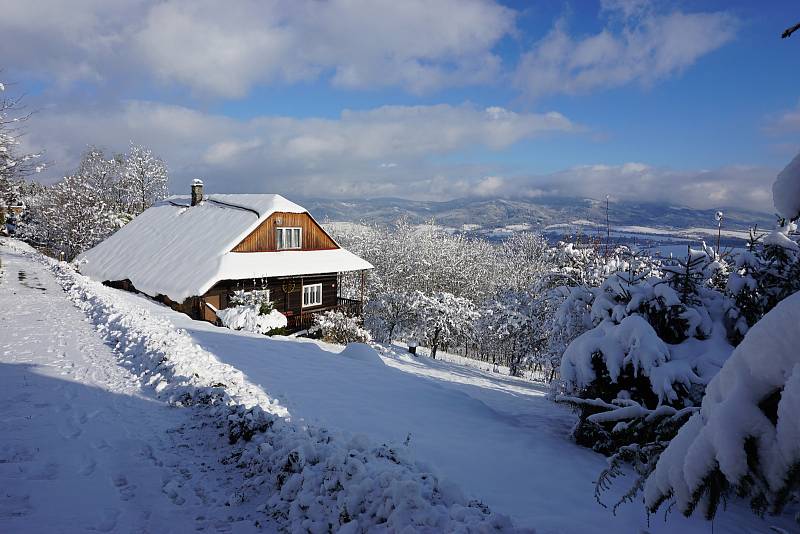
pixel 262 239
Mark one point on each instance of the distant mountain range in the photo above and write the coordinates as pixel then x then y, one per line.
pixel 488 216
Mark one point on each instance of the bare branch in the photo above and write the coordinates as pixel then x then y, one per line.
pixel 789 31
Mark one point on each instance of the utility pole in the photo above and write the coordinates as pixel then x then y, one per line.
pixel 719 216
pixel 608 231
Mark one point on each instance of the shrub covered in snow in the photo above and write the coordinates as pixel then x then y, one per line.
pixel 337 327
pixel 764 274
pixel 655 342
pixel 745 440
pixel 253 312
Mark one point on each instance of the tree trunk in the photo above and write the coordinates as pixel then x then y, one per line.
pixel 435 343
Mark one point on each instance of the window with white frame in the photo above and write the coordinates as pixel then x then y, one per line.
pixel 288 238
pixel 312 295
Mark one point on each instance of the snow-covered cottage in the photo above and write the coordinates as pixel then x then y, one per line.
pixel 193 252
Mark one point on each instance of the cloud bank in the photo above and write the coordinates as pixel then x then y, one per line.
pixel 401 151
pixel 197 51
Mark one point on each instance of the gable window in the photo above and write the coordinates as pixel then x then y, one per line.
pixel 312 295
pixel 288 238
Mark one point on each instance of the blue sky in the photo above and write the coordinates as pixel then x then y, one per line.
pixel 692 103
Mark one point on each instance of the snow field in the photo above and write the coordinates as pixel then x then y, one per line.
pixel 308 478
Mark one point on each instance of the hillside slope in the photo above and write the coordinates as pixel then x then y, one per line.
pixel 537 213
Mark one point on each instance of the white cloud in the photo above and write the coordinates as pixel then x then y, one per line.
pixel 638 44
pixel 224 49
pixel 735 185
pixel 362 152
pixel 386 151
pixel 784 122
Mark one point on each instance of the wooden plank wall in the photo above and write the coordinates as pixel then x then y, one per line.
pixel 294 304
pixel 262 239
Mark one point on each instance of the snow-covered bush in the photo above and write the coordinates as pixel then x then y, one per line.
pixel 335 326
pixel 745 440
pixel 252 311
pixel 764 274
pixel 655 342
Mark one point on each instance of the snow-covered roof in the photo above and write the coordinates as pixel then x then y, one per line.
pixel 179 250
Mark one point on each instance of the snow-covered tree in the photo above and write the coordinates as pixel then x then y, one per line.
pixel 442 319
pixel 514 324
pixel 106 173
pixel 764 274
pixel 144 178
pixel 390 314
pixel 745 440
pixel 14 164
pixel 631 366
pixel 89 205
pixel 522 260
pixel 78 216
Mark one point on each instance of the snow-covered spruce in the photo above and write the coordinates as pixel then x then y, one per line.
pixel 746 437
pixel 309 478
pixel 656 342
pixel 765 274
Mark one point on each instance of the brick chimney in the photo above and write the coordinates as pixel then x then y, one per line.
pixel 197 191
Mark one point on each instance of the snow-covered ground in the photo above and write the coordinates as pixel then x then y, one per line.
pixel 498 438
pixel 81 447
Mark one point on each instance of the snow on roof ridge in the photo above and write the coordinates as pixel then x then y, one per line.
pixel 231 205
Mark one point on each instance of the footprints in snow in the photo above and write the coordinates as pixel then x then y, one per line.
pixel 14 505
pixel 126 491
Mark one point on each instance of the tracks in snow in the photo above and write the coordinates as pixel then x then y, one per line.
pixel 80 446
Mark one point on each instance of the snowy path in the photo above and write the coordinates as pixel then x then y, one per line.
pixel 81 449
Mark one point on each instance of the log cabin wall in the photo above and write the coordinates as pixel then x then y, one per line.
pixel 262 239
pixel 286 293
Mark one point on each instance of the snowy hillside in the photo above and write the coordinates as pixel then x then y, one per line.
pixel 339 436
pixel 498 216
